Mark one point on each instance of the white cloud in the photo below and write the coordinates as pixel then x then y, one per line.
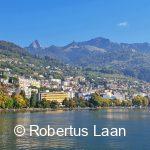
pixel 123 24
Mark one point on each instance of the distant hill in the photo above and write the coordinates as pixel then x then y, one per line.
pixel 9 48
pixel 99 55
pixel 20 62
pixel 103 54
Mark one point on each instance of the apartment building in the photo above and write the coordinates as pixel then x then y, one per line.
pixel 50 96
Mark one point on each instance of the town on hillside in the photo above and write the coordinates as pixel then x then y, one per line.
pixel 54 89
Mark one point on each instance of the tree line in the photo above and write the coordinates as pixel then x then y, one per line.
pixel 19 100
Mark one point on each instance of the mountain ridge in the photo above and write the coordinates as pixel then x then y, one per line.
pixel 103 43
pixel 129 59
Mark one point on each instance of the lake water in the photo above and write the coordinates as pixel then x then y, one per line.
pixel 136 123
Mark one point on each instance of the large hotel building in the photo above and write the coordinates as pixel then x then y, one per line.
pixel 51 96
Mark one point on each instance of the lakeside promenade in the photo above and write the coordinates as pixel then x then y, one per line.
pixel 67 109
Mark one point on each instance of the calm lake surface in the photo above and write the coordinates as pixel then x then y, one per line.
pixel 136 122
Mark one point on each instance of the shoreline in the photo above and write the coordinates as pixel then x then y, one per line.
pixel 43 109
pixel 63 109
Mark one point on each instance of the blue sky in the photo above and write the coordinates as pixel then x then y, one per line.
pixel 59 22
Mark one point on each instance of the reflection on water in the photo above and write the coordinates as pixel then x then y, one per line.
pixel 136 123
pixel 123 114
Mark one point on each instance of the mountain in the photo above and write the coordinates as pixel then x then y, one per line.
pixel 8 48
pixel 110 46
pixel 99 55
pixel 18 61
pixel 35 44
pixel 102 43
pixel 34 47
pixel 96 45
pixel 103 54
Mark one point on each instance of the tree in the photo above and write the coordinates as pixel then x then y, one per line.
pixel 14 80
pixel 65 102
pixel 95 100
pixel 20 101
pixel 9 103
pixel 105 102
pixel 137 101
pixel 54 104
pixel 145 101
pixel 117 102
pixel 4 76
pixel 39 104
pixel 3 98
pixel 45 103
pixel 126 103
pixel 33 99
pixel 72 104
pixel 81 102
pixel 22 93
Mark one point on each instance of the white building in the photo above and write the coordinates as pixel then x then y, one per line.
pixel 58 81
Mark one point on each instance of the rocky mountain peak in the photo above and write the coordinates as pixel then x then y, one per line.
pixel 35 44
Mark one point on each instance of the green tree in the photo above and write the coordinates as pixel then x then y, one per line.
pixel 54 104
pixel 72 104
pixel 9 103
pixel 105 102
pixel 4 76
pixel 65 102
pixel 126 103
pixel 45 103
pixel 95 100
pixel 33 99
pixel 81 102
